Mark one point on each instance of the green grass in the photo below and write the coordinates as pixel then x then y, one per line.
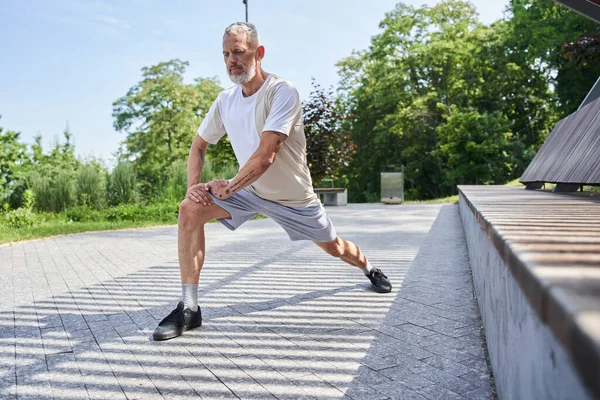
pixel 122 217
pixel 449 199
pixel 514 183
pixel 52 225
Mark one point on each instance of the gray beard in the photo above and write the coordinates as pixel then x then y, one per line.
pixel 244 77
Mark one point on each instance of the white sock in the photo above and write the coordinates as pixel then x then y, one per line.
pixel 189 296
pixel 367 270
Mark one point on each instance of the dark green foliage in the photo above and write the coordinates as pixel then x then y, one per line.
pixel 540 31
pixel 328 145
pixel 221 154
pixel 14 162
pixel 455 101
pixel 475 147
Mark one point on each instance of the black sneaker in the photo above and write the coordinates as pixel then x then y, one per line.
pixel 177 322
pixel 380 282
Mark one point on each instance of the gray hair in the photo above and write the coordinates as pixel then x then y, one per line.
pixel 244 27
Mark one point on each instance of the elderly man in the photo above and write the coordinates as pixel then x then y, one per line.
pixel 262 115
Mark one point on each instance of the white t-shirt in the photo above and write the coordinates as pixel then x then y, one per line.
pixel 274 107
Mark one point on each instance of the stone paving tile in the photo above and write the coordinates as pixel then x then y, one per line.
pixel 435 392
pixel 395 390
pixel 443 364
pixel 358 391
pixel 282 320
pixel 448 380
pixel 477 378
pixel 476 363
pixel 407 378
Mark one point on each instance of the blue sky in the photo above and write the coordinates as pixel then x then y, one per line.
pixel 68 60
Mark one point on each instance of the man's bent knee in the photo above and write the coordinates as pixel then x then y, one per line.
pixel 196 214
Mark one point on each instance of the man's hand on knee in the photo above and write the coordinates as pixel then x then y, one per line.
pixel 199 193
pixel 216 187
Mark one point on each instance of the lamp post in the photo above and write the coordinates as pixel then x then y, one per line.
pixel 246 3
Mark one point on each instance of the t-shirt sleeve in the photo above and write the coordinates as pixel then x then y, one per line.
pixel 212 129
pixel 286 110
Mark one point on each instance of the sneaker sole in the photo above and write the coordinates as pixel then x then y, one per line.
pixel 382 290
pixel 174 335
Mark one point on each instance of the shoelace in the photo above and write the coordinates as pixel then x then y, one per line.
pixel 378 274
pixel 174 316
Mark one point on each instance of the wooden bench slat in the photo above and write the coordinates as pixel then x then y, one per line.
pixel 551 245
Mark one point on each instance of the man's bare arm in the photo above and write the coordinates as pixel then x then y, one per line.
pixel 197 192
pixel 270 144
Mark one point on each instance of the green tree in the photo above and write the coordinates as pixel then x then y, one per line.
pixel 328 145
pixel 430 67
pixel 52 177
pixel 61 156
pixel 160 116
pixel 540 29
pixel 14 161
pixel 475 147
pixel 393 90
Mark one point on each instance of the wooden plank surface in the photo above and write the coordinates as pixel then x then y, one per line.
pixel 551 244
pixel 571 153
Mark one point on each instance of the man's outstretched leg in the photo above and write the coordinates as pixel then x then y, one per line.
pixel 350 253
pixel 190 242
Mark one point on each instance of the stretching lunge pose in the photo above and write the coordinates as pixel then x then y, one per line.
pixel 262 115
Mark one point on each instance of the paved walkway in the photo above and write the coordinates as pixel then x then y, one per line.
pixel 281 319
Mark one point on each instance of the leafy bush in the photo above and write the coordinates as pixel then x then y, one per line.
pixel 122 184
pixel 176 186
pixel 20 218
pixel 91 186
pixel 63 191
pixel 212 171
pixel 228 171
pixel 208 170
pixel 54 193
pixel 41 185
pixel 24 216
pixel 16 198
pixel 135 212
pixel 83 214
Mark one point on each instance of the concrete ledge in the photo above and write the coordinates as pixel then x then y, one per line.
pixel 535 258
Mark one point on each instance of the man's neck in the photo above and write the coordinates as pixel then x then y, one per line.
pixel 249 88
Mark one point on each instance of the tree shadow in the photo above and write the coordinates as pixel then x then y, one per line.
pixel 295 324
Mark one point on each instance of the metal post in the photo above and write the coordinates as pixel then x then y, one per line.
pixel 246 3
